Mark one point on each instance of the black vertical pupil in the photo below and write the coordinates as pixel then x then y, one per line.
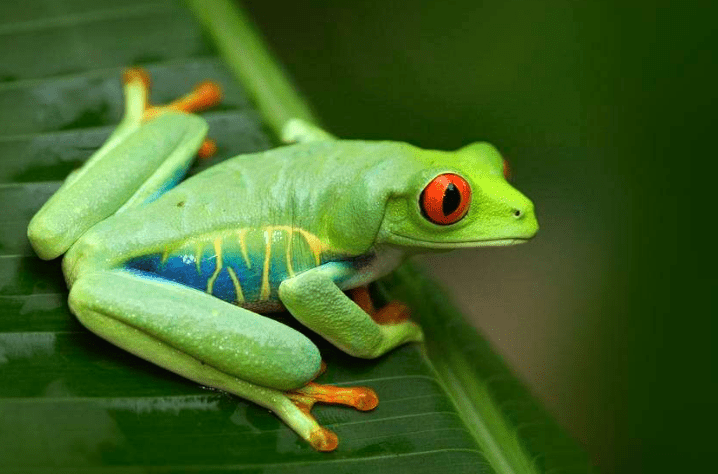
pixel 452 199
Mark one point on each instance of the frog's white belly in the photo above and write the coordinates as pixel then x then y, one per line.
pixel 379 263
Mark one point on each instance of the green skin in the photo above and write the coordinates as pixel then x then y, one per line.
pixel 339 213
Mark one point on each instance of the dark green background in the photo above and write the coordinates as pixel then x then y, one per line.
pixel 606 111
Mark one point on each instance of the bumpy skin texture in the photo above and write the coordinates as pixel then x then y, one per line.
pixel 175 274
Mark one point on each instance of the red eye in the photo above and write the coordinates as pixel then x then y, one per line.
pixel 445 200
pixel 507 171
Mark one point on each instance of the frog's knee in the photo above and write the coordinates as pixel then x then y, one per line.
pixel 46 239
pixel 293 370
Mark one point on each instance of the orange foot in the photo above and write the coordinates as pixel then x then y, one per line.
pixel 204 95
pixel 361 398
pixel 394 312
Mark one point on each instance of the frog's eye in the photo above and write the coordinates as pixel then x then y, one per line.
pixel 507 170
pixel 445 200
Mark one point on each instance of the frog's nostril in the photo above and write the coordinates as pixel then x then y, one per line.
pixel 518 213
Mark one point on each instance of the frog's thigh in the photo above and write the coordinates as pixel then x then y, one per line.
pixel 194 334
pixel 314 299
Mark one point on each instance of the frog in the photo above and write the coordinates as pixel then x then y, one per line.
pixel 185 274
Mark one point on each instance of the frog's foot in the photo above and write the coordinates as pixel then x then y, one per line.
pixel 393 312
pixel 361 398
pixel 204 95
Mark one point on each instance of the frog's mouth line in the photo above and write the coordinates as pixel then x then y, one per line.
pixel 462 243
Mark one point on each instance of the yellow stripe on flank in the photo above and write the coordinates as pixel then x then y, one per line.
pixel 278 231
pixel 264 293
pixel 316 245
pixel 196 245
pixel 237 286
pixel 243 246
pixel 218 264
pixel 290 240
pixel 199 247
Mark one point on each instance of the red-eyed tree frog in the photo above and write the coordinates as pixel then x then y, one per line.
pixel 178 273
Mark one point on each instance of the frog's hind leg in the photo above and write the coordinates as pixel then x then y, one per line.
pixel 213 343
pixel 145 156
pixel 173 168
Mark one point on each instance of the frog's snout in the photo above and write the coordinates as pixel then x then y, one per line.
pixel 526 217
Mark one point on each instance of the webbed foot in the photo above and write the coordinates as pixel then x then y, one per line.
pixel 323 439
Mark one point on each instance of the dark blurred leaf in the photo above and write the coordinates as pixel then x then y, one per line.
pixel 70 401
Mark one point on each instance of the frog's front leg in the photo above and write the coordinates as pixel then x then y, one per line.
pixel 315 299
pixel 213 343
pixel 301 131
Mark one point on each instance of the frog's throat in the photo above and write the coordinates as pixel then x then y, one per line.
pixel 452 244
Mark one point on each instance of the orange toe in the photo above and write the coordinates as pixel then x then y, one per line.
pixel 323 439
pixel 361 398
pixel 207 149
pixel 134 74
pixel 204 96
pixel 365 399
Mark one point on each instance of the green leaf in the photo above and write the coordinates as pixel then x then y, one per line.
pixel 71 402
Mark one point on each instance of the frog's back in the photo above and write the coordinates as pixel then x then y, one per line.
pixel 235 231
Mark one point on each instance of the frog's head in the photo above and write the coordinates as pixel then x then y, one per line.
pixel 458 199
